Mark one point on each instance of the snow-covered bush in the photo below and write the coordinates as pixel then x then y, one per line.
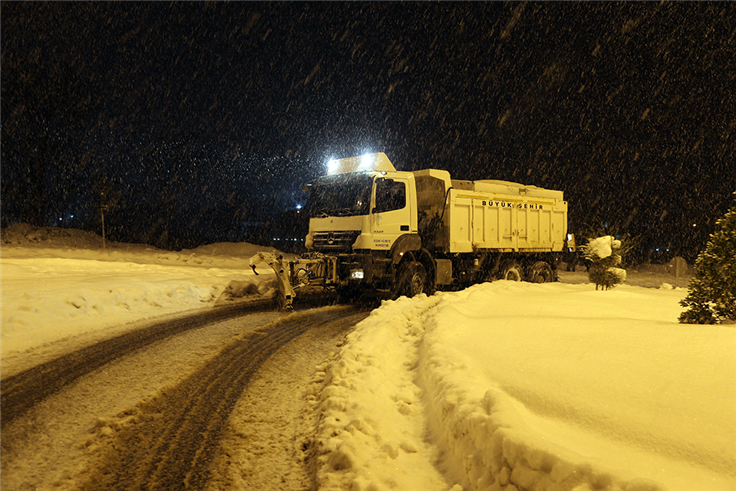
pixel 604 253
pixel 711 294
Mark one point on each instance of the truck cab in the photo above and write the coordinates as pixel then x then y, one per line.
pixel 363 207
pixel 362 212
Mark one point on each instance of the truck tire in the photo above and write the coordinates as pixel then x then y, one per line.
pixel 541 272
pixel 511 270
pixel 412 279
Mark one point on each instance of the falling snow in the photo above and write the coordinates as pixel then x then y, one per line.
pixel 204 120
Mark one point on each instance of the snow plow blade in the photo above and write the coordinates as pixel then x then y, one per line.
pixel 286 292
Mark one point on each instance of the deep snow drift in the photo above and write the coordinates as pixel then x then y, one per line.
pixel 501 386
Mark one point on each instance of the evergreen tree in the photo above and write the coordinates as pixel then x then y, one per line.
pixel 711 294
pixel 605 255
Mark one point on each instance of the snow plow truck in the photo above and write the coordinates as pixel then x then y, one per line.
pixel 372 226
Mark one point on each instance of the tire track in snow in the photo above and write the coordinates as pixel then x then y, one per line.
pixel 22 391
pixel 170 441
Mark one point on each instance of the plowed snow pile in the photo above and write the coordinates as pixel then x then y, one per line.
pixel 536 387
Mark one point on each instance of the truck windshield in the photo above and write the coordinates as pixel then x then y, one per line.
pixel 341 195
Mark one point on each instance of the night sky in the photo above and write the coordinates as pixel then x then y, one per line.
pixel 194 122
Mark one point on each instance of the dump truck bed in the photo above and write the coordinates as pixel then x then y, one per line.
pixel 504 216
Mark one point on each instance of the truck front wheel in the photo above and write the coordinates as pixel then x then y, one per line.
pixel 412 279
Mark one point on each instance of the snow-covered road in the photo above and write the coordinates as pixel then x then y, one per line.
pixel 58 442
pixel 501 386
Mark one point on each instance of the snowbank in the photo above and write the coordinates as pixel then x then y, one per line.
pixel 580 388
pixel 371 430
pixel 525 386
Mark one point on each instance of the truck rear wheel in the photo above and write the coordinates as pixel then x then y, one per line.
pixel 412 279
pixel 511 270
pixel 541 272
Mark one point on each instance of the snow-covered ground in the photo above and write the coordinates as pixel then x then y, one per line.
pixel 501 386
pixel 60 285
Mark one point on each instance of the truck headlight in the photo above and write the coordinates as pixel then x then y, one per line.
pixel 356 274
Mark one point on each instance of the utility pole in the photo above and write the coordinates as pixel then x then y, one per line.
pixel 103 208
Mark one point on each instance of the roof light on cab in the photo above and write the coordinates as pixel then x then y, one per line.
pixel 377 162
pixel 366 161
